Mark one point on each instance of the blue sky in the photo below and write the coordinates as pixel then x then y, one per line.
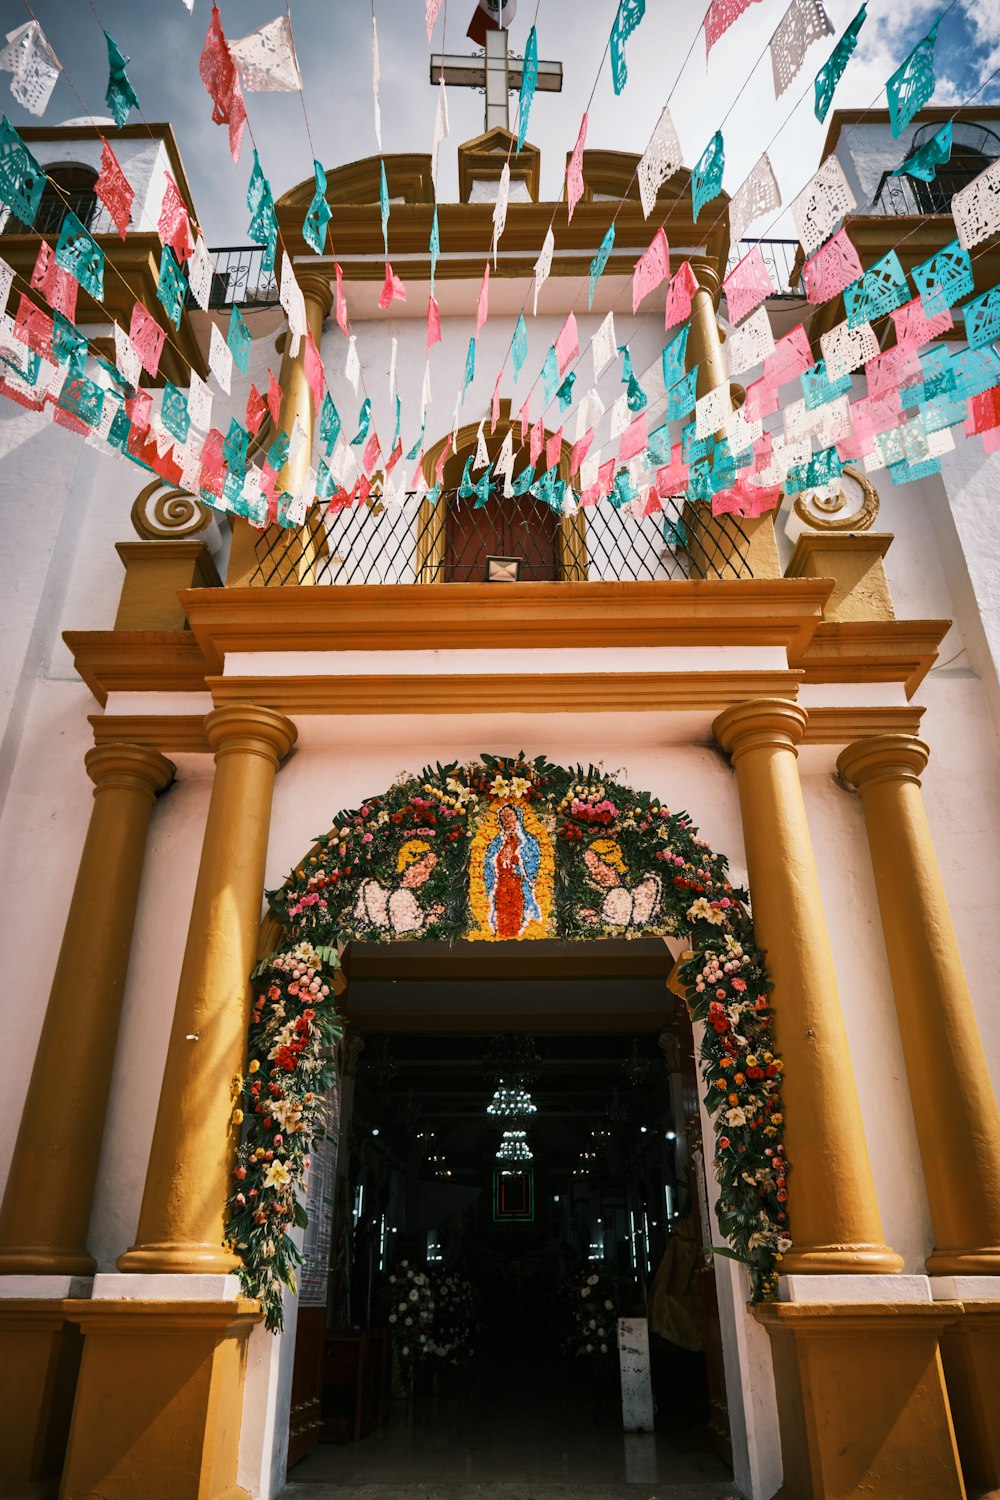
pixel 333 38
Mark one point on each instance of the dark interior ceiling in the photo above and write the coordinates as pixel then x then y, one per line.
pixel 541 987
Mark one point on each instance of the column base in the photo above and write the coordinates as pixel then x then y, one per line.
pixel 39 1364
pixel 841 1260
pixel 862 1403
pixel 159 1400
pixel 983 1261
pixel 971 1353
pixel 33 1260
pixel 174 1258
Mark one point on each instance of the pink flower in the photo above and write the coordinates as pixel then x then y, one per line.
pixel 720 994
pixel 738 984
pixel 366 838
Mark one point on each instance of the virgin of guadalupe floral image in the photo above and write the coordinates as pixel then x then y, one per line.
pixel 398 911
pixel 510 870
pixel 622 906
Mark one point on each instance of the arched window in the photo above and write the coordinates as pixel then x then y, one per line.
pixel 70 186
pixel 973 148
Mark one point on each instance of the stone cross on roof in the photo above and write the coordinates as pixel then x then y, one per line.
pixel 496 73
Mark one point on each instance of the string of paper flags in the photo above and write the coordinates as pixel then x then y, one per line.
pixel 742 468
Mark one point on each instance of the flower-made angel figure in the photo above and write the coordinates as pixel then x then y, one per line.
pixel 398 911
pixel 621 906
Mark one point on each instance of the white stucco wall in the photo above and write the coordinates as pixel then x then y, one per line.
pixel 144 162
pixel 868 149
pixel 64 506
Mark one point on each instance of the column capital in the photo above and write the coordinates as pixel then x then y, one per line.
pixel 130 768
pixel 316 287
pixel 707 277
pixel 776 723
pixel 253 730
pixel 883 757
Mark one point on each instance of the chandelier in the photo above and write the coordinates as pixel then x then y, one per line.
pixel 635 1066
pixel 511 1103
pixel 514 1147
pixel 512 1058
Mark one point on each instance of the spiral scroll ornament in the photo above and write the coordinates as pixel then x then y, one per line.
pixel 853 508
pixel 160 514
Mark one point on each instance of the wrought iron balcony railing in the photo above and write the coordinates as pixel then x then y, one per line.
pixel 455 541
pixel 779 258
pixel 240 277
pixel 908 195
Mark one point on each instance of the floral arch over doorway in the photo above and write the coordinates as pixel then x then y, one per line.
pixel 505 849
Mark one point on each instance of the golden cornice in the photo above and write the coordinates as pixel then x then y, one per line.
pixel 131 275
pixel 915 238
pixel 481 692
pixel 871 651
pixel 843 726
pixel 782 612
pixel 137 661
pixel 467 229
pixel 172 734
pixel 407 176
pixel 709 612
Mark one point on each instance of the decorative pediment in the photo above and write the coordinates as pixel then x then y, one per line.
pixel 482 159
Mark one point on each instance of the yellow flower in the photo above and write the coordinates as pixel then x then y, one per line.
pixel 237 1117
pixel 520 786
pixel 254 1066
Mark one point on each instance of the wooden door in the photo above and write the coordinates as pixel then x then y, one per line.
pixel 520 527
pixel 305 1419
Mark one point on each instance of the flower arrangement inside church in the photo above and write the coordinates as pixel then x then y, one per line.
pixel 590 1316
pixel 508 848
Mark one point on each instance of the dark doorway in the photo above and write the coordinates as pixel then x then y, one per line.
pixel 533 1243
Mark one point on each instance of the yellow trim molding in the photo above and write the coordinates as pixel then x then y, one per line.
pixel 438 616
pixel 481 692
pixel 871 651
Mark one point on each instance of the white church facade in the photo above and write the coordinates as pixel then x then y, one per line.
pixel 814 689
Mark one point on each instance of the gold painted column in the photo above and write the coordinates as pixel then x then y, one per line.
pixel 954 1107
pixel 46 1208
pixel 704 347
pixel 182 1221
pixel 834 1219
pixel 288 555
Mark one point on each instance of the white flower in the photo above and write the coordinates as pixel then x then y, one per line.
pixel 702 911
pixel 414 1296
pixel 585 1291
pixel 609 1305
pixel 520 786
pixel 277 1175
pixel 592 1280
pixel 499 787
pixel 392 1317
pixel 736 1117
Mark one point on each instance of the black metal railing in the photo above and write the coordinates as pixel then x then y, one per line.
pixel 239 277
pixel 911 196
pixel 453 541
pixel 778 256
pixel 52 209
